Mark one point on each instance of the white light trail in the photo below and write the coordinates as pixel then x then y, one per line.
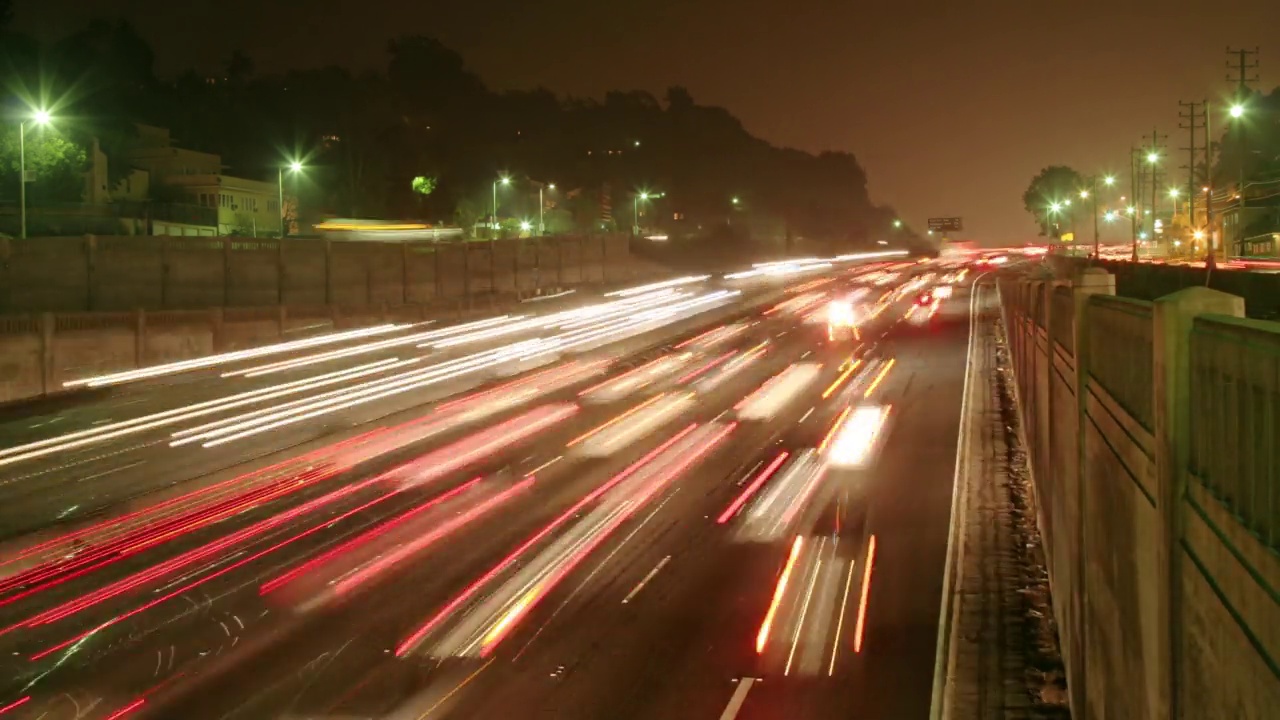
pixel 211 360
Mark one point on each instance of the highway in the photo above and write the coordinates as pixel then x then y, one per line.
pixel 679 501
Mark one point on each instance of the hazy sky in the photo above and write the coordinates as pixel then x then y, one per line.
pixel 951 106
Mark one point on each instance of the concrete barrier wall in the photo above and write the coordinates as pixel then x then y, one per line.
pixel 1150 280
pixel 40 352
pixel 126 273
pixel 1153 433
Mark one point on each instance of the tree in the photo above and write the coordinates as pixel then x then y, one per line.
pixel 57 163
pixel 424 185
pixel 1054 184
pixel 6 13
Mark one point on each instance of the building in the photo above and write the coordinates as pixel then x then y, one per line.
pixel 242 206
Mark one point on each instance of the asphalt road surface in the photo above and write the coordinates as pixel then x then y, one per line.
pixel 713 510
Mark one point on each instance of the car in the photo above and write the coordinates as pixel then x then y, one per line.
pixel 842 321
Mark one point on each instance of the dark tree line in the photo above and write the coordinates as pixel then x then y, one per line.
pixel 366 137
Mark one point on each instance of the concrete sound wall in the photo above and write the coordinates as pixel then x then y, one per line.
pixel 126 273
pixel 1153 451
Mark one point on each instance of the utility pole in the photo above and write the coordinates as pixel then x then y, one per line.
pixel 1194 117
pixel 1208 186
pixel 1241 66
pixel 1153 157
pixel 1133 200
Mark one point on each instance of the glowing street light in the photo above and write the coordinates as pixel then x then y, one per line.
pixel 503 180
pixel 295 167
pixel 1084 194
pixel 1153 157
pixel 40 117
pixel 1109 180
pixel 636 199
pixel 1055 207
pixel 1198 235
pixel 897 223
pixel 1236 111
pixel 526 226
pixel 735 201
pixel 1174 192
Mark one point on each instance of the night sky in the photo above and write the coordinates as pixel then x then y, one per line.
pixel 952 107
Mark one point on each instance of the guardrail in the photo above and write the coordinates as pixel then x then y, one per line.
pixel 1154 432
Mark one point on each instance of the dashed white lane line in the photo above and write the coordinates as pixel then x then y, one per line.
pixel 739 697
pixel 640 586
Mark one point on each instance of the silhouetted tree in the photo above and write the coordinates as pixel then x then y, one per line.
pixel 1054 184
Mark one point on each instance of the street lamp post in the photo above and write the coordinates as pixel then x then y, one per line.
pixel 41 117
pixel 635 211
pixel 493 226
pixel 1208 189
pixel 1054 209
pixel 294 167
pixel 1237 113
pixel 1153 157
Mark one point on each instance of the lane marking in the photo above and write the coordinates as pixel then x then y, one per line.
pixel 544 466
pixel 455 690
pixel 944 641
pixel 739 696
pixel 807 414
pixel 656 569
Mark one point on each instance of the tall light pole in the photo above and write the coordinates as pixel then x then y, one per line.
pixel 1093 193
pixel 40 117
pixel 1237 114
pixel 1208 186
pixel 1153 157
pixel 295 167
pixel 493 227
pixel 635 210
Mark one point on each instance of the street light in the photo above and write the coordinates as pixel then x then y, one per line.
pixel 542 226
pixel 295 167
pixel 1084 194
pixel 1236 110
pixel 1109 180
pixel 39 117
pixel 1153 157
pixel 503 180
pixel 635 209
pixel 897 223
pixel 526 226
pixel 735 201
